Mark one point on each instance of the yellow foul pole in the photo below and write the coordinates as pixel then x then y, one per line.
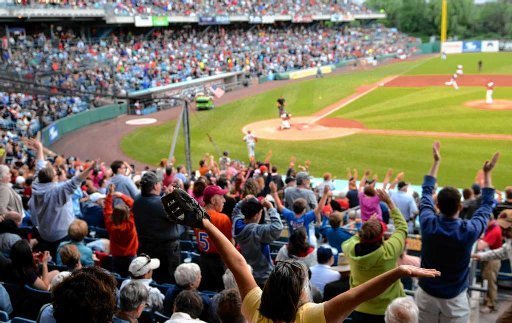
pixel 444 20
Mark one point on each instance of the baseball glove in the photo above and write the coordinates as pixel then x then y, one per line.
pixel 183 209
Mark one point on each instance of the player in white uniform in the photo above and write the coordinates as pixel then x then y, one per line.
pixel 285 121
pixel 460 70
pixel 251 141
pixel 453 82
pixel 489 92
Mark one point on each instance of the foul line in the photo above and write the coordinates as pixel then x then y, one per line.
pixel 356 96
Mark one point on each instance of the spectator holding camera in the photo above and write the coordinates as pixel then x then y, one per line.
pixel 254 238
pixel 23 267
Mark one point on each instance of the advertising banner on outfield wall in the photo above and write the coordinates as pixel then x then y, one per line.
pixel 452 47
pixel 506 46
pixel 143 21
pixel 472 46
pixel 490 46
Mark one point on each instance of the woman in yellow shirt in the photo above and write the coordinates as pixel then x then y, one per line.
pixel 285 296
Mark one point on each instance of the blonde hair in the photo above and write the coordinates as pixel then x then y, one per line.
pixel 78 230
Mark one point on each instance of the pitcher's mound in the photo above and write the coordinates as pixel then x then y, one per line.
pixel 496 105
pixel 302 128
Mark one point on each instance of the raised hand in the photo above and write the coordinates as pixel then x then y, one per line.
pixel 400 176
pixel 273 187
pixel 436 151
pixel 413 271
pixel 489 165
pixel 384 197
pixel 266 204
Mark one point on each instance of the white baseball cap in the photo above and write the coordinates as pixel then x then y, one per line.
pixel 94 197
pixel 142 265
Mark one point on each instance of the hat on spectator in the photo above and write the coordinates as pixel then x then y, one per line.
pixel 212 190
pixel 250 207
pixel 505 219
pixel 142 265
pixel 402 184
pixel 301 177
pixel 20 180
pixel 263 169
pixel 94 197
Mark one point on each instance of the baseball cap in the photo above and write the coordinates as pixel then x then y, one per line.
pixel 402 184
pixel 212 190
pixel 94 197
pixel 142 265
pixel 250 207
pixel 505 219
pixel 301 177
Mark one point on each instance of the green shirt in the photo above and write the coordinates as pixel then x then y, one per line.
pixel 378 262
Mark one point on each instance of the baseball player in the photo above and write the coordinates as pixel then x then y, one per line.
pixel 453 82
pixel 285 121
pixel 251 141
pixel 460 70
pixel 489 92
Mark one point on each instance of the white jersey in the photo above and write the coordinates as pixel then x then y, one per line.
pixel 250 139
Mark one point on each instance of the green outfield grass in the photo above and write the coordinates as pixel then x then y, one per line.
pixel 429 108
pixel 432 109
pixel 492 63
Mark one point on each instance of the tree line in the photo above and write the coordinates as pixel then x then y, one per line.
pixel 465 18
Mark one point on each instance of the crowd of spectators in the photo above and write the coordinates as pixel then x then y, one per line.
pixel 46 220
pixel 207 7
pixel 125 62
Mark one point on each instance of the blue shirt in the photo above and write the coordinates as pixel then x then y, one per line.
pixel 447 243
pixel 295 223
pixel 85 253
pixel 335 237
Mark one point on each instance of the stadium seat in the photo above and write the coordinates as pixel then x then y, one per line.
pixel 4 317
pixel 208 293
pixel 159 317
pixel 33 300
pixel 14 294
pixel 21 320
pixel 162 287
pixel 146 317
pixel 120 280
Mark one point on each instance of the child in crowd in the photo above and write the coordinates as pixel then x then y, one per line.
pixel 120 225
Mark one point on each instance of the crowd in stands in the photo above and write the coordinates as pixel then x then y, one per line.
pixel 209 7
pixel 125 62
pixel 272 248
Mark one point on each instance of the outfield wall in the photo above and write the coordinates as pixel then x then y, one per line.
pixel 63 126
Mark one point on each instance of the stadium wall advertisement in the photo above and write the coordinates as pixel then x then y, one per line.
pixel 63 126
pixel 309 72
pixel 470 46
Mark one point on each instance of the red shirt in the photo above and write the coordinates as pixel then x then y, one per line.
pixel 493 236
pixel 123 237
pixel 223 223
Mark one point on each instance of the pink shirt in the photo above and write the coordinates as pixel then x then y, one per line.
pixel 369 206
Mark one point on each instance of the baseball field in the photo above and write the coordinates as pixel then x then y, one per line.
pixel 375 119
